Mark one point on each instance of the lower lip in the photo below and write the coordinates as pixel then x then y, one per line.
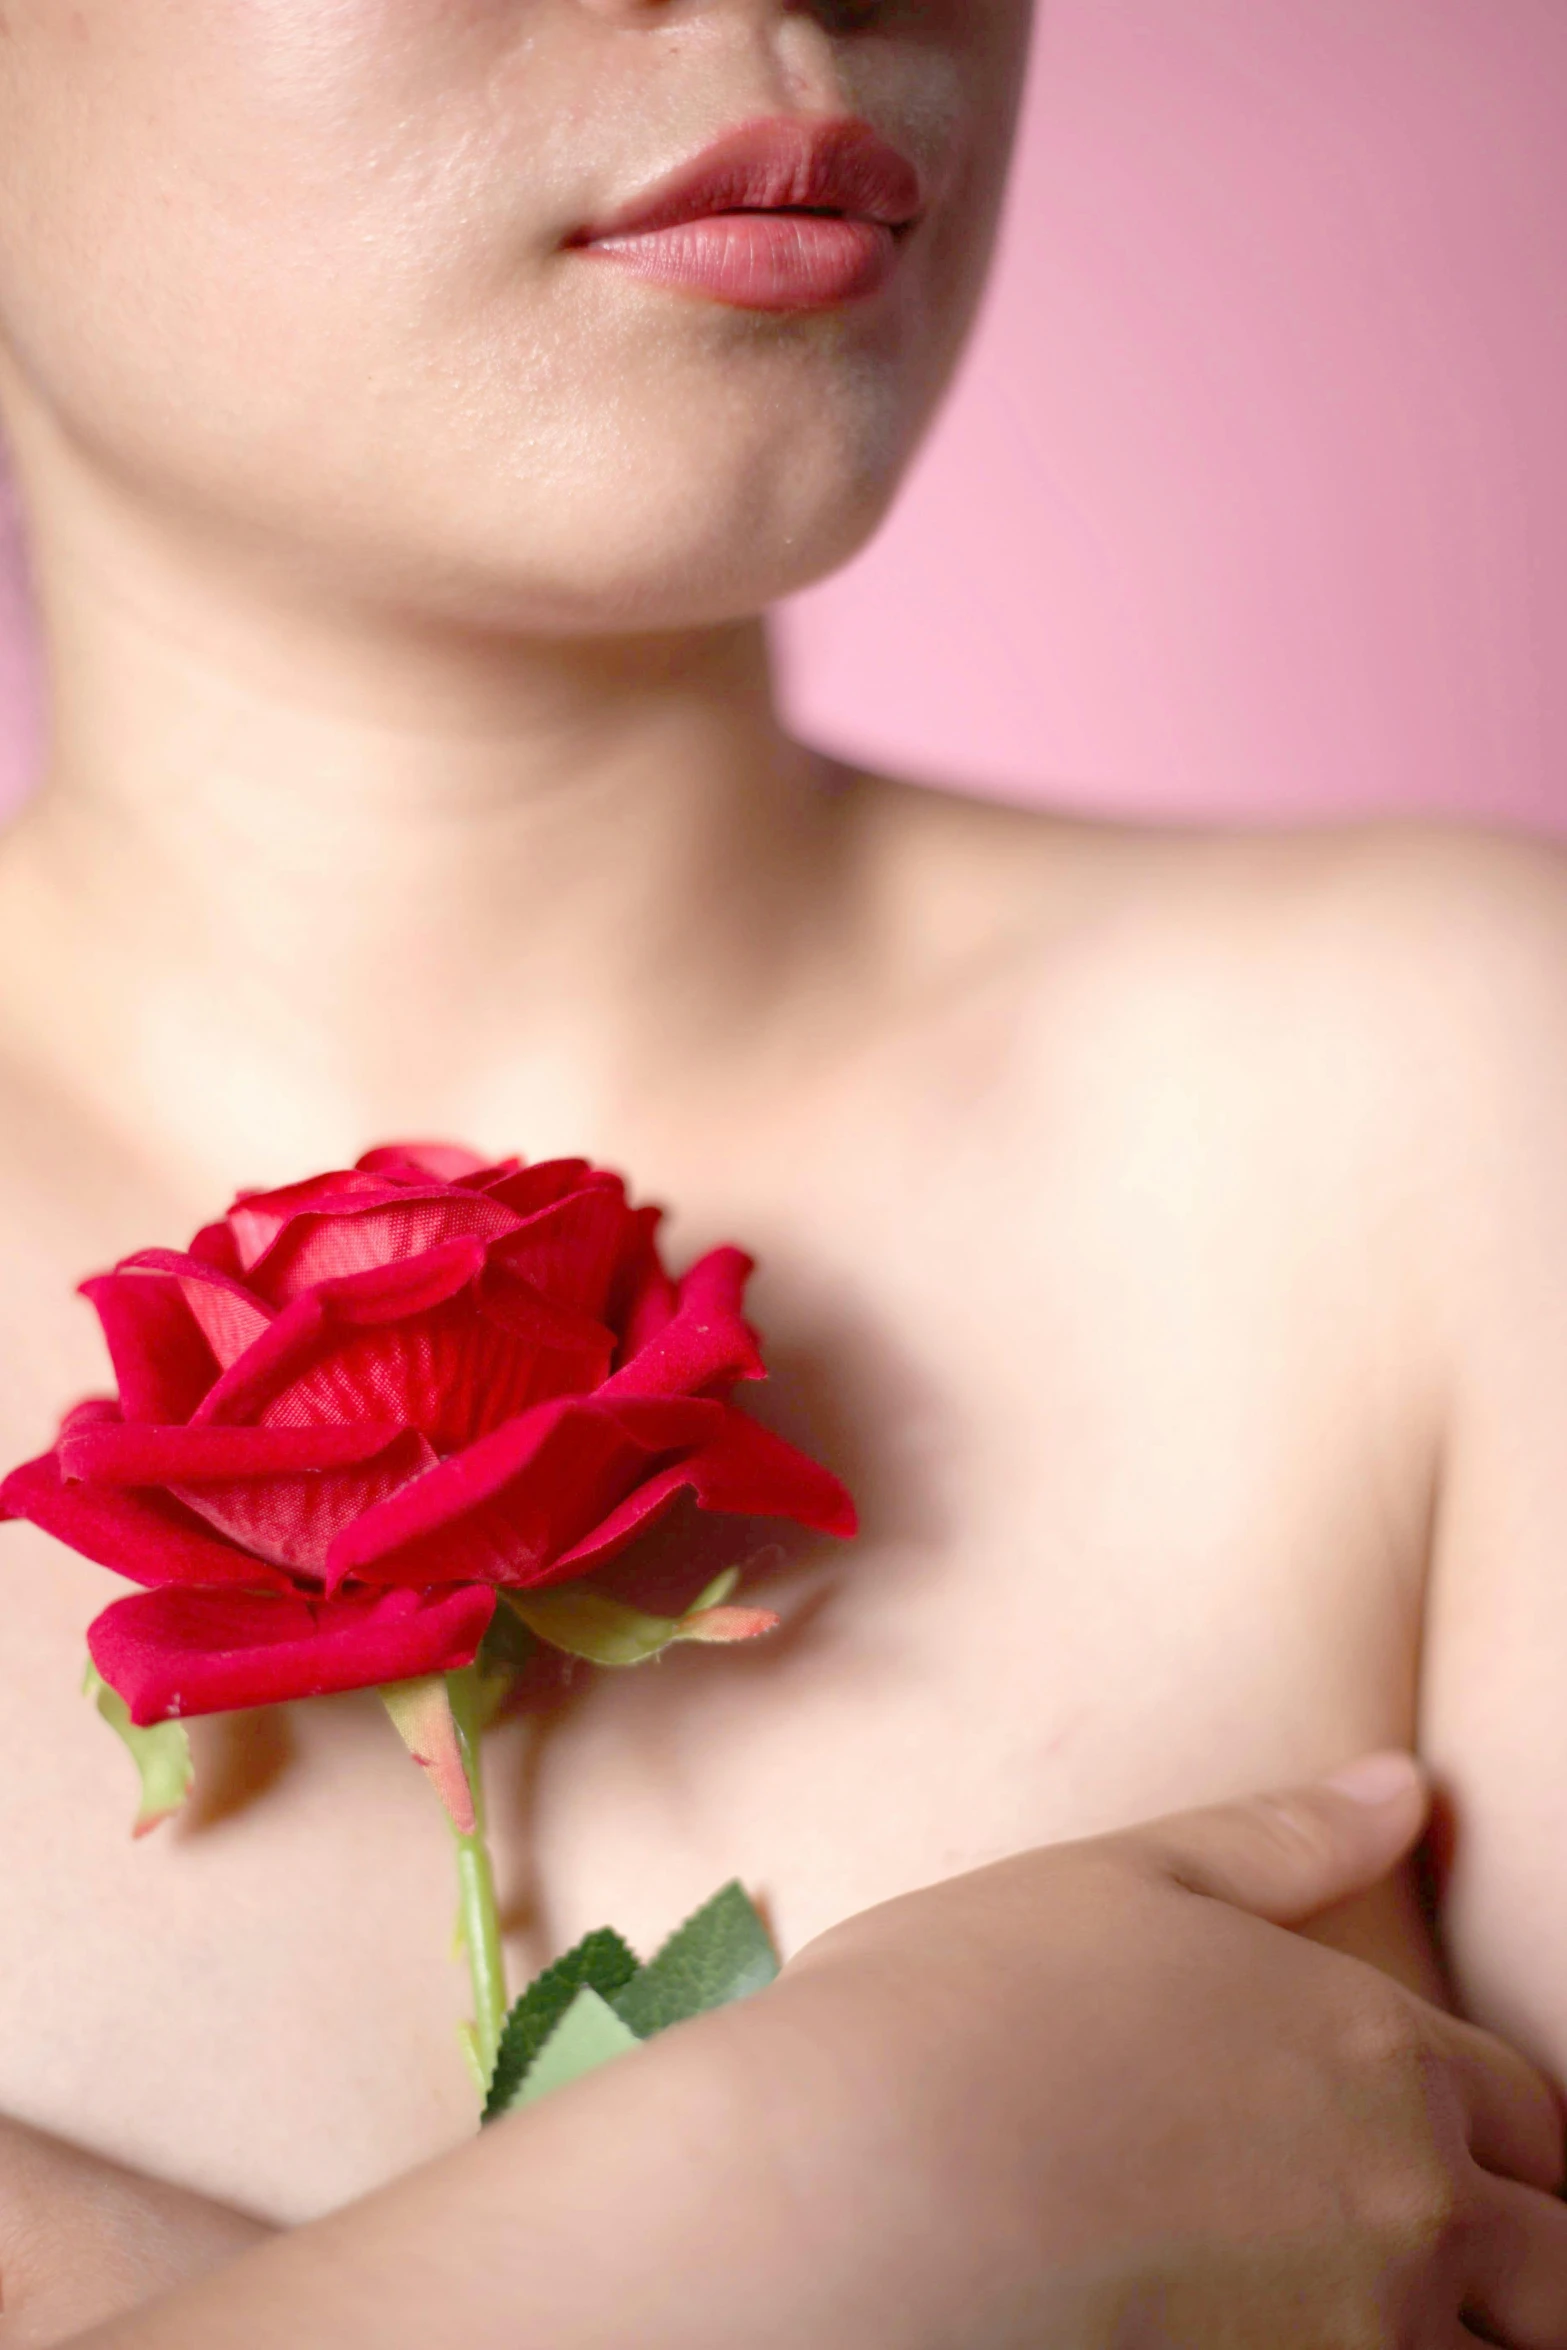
pixel 777 261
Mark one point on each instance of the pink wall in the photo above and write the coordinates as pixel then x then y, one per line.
pixel 1254 497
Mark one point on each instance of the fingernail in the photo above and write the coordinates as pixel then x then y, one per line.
pixel 1376 1778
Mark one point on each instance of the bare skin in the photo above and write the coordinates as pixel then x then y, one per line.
pixel 1162 1233
pixel 1362 2169
pixel 82 2240
pixel 1120 1402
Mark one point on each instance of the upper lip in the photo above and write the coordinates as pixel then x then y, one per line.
pixel 783 164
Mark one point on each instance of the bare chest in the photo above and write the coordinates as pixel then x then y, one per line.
pixel 1117 1557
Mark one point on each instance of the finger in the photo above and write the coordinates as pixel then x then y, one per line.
pixel 1514 2120
pixel 1287 1857
pixel 1515 2269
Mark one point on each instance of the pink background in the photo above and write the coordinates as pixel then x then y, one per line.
pixel 1254 496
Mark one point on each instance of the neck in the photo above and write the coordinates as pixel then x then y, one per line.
pixel 297 880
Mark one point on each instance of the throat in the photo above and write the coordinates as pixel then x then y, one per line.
pixel 322 920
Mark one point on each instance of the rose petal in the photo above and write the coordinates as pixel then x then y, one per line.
pixel 176 1653
pixel 279 1493
pixel 454 1373
pixel 229 1316
pixel 94 1411
pixel 408 1285
pixel 745 1470
pixel 145 1536
pixel 257 1217
pixel 214 1244
pixel 162 1361
pixel 445 1374
pixel 525 1190
pixel 417 1162
pixel 750 1471
pixel 643 1299
pixel 707 1345
pixel 568 1251
pixel 112 1453
pixel 505 1297
pixel 312 1325
pixel 358 1237
pixel 501 1510
pixel 244 1387
pixel 293 1519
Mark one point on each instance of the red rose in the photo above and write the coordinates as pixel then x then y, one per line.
pixel 362 1403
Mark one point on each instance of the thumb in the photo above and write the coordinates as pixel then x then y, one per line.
pixel 1286 1857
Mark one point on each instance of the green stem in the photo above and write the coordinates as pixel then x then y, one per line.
pixel 478 1915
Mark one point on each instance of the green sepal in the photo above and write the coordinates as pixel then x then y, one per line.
pixel 588 1625
pixel 503 1654
pixel 602 1963
pixel 723 1953
pixel 424 1717
pixel 606 1632
pixel 589 2034
pixel 161 1753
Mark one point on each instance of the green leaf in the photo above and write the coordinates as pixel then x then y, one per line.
pixel 601 1962
pixel 589 2034
pixel 722 1953
pixel 161 1754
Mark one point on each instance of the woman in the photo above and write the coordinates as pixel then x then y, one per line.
pixel 415 407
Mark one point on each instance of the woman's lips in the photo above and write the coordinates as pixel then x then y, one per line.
pixel 776 261
pixel 783 215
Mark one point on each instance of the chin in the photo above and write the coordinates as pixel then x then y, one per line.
pixel 666 583
pixel 644 545
pixel 676 486
pixel 659 492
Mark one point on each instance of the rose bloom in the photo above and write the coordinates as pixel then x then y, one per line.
pixel 360 1406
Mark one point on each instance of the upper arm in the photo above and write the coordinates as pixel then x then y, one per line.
pixel 1486 1084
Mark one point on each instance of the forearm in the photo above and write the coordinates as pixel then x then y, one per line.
pixel 82 2239
pixel 1077 2098
pixel 667 2201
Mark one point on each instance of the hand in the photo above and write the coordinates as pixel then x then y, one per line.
pixel 1089 2096
pixel 1092 2099
pixel 82 2240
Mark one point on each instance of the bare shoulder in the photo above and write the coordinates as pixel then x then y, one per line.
pixel 1473 922
pixel 1336 1054
pixel 1437 953
pixel 1433 959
